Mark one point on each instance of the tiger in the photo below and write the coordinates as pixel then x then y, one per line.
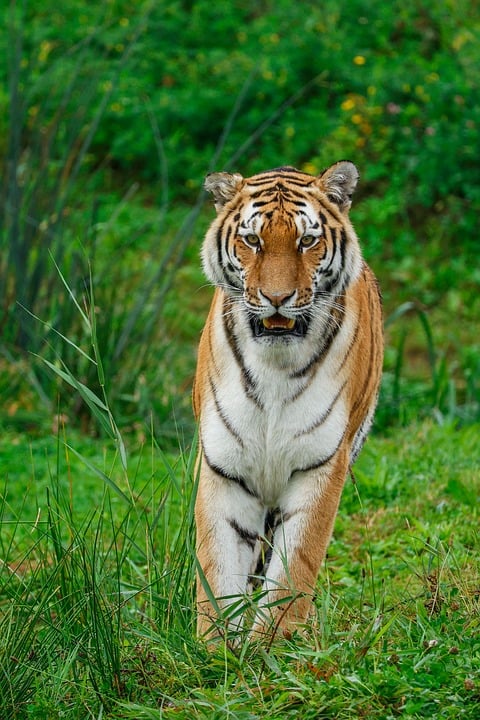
pixel 286 385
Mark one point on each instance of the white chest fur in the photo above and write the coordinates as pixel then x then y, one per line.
pixel 280 424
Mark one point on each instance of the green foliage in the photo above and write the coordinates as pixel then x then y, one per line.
pixel 96 590
pixel 394 87
pixel 79 570
pixel 114 112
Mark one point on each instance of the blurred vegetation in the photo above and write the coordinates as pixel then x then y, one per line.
pixel 111 115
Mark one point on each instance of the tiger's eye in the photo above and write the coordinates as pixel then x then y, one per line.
pixel 252 240
pixel 308 241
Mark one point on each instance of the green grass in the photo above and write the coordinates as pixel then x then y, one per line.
pixel 107 135
pixel 96 589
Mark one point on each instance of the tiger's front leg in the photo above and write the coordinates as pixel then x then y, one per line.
pixel 229 523
pixel 307 513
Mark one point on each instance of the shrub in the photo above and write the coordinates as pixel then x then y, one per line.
pixel 115 112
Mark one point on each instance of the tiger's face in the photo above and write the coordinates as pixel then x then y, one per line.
pixel 282 245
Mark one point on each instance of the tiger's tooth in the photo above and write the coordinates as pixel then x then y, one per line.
pixel 278 321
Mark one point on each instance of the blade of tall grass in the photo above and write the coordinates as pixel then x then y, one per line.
pixel 102 475
pixel 438 394
pixel 162 278
pixel 35 205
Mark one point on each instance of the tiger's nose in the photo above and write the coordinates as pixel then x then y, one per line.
pixel 276 297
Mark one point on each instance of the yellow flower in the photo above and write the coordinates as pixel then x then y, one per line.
pixel 309 168
pixel 357 118
pixel 348 104
pixel 45 49
pixel 359 60
pixel 461 38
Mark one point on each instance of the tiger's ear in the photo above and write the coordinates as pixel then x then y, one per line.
pixel 339 182
pixel 223 186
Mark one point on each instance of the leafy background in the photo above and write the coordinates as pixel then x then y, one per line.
pixel 113 114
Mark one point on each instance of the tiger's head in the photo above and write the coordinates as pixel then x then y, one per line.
pixel 282 245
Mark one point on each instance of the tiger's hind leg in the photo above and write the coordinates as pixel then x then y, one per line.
pixel 229 522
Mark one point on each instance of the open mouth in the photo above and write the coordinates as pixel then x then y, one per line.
pixel 277 324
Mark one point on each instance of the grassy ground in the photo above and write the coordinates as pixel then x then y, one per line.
pixel 96 590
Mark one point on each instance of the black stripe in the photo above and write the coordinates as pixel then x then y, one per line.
pixel 227 476
pixel 222 414
pixel 305 220
pixel 219 246
pixel 232 277
pixel 227 238
pixel 317 358
pixel 272 521
pixel 334 326
pixel 289 176
pixel 249 383
pixel 343 247
pixel 221 243
pixel 259 193
pixel 360 438
pixel 322 417
pixel 333 233
pixel 339 274
pixel 335 212
pixel 288 515
pixel 299 203
pixel 257 577
pixel 245 535
pixel 300 390
pixel 319 463
pixel 244 225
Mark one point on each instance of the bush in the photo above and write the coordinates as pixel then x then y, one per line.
pixel 116 111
